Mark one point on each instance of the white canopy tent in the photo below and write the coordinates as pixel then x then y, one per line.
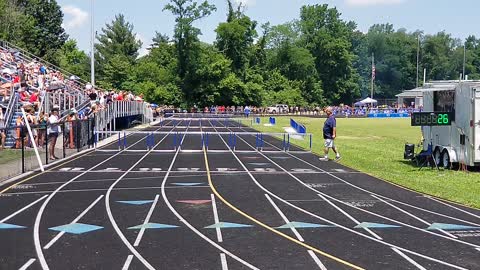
pixel 366 101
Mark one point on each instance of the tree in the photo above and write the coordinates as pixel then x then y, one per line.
pixel 328 38
pixel 70 58
pixel 186 12
pixel 437 51
pixel 235 39
pixel 116 52
pixel 47 35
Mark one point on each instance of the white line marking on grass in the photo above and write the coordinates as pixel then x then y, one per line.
pixel 216 219
pixel 27 264
pixel 147 219
pixel 127 263
pixel 349 216
pixel 409 259
pixel 23 209
pixel 317 260
pixel 285 219
pixel 412 215
pixel 223 259
pixel 59 235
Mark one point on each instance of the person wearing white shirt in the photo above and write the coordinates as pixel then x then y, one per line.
pixel 53 131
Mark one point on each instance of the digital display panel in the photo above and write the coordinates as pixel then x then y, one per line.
pixel 433 118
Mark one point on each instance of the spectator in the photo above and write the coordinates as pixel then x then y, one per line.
pixel 53 131
pixel 2 131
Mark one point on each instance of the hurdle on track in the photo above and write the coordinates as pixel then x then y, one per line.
pixel 223 122
pixel 177 137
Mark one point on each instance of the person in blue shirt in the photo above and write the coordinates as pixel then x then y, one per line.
pixel 247 111
pixel 329 134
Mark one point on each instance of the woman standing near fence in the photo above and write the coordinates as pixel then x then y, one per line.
pixel 53 131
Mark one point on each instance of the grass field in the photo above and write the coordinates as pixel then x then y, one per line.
pixel 7 155
pixel 375 147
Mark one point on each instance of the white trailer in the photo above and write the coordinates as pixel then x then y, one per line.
pixel 459 142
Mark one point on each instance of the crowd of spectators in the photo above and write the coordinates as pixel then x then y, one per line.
pixel 343 110
pixel 30 81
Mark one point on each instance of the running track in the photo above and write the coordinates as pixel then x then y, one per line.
pixel 218 209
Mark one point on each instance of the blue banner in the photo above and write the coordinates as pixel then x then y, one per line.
pixel 388 115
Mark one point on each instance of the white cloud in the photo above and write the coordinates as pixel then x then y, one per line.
pixel 143 50
pixel 246 3
pixel 373 2
pixel 77 17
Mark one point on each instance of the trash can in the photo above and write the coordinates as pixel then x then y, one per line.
pixel 409 151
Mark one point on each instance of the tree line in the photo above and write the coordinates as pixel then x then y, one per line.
pixel 314 60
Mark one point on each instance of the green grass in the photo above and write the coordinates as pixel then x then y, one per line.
pixel 375 147
pixel 7 155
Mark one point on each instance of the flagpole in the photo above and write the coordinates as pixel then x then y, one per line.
pixel 373 75
pixel 418 58
pixel 92 45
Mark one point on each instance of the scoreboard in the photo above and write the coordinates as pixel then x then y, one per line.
pixel 433 118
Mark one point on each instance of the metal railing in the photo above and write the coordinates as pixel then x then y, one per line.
pixel 10 109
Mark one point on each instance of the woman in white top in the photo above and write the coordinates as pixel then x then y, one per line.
pixel 53 131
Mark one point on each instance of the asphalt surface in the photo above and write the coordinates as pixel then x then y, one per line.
pixel 192 208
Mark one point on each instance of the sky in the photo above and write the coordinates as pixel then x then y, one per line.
pixel 459 18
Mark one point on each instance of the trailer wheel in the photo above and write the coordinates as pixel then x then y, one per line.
pixel 438 157
pixel 446 159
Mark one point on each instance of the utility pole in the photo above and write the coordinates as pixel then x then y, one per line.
pixel 92 46
pixel 464 58
pixel 418 58
pixel 373 75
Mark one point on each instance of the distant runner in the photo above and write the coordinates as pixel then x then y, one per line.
pixel 329 134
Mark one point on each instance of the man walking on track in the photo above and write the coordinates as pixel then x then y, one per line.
pixel 329 134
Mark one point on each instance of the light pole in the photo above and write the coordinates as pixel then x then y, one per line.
pixel 92 45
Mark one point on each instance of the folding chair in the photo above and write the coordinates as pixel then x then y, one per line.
pixel 428 155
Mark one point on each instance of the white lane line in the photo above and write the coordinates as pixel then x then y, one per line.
pixel 349 216
pixel 184 221
pixel 38 219
pixel 478 249
pixel 23 209
pixel 332 222
pixel 410 260
pixel 358 208
pixel 27 264
pixel 105 189
pixel 285 219
pixel 147 219
pixel 127 263
pixel 58 236
pixel 216 219
pixel 223 259
pixel 317 260
pixel 297 234
pixel 373 193
pixel 412 215
pixel 399 222
pixel 451 206
pixel 110 214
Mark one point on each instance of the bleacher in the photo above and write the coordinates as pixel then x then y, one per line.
pixel 56 88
